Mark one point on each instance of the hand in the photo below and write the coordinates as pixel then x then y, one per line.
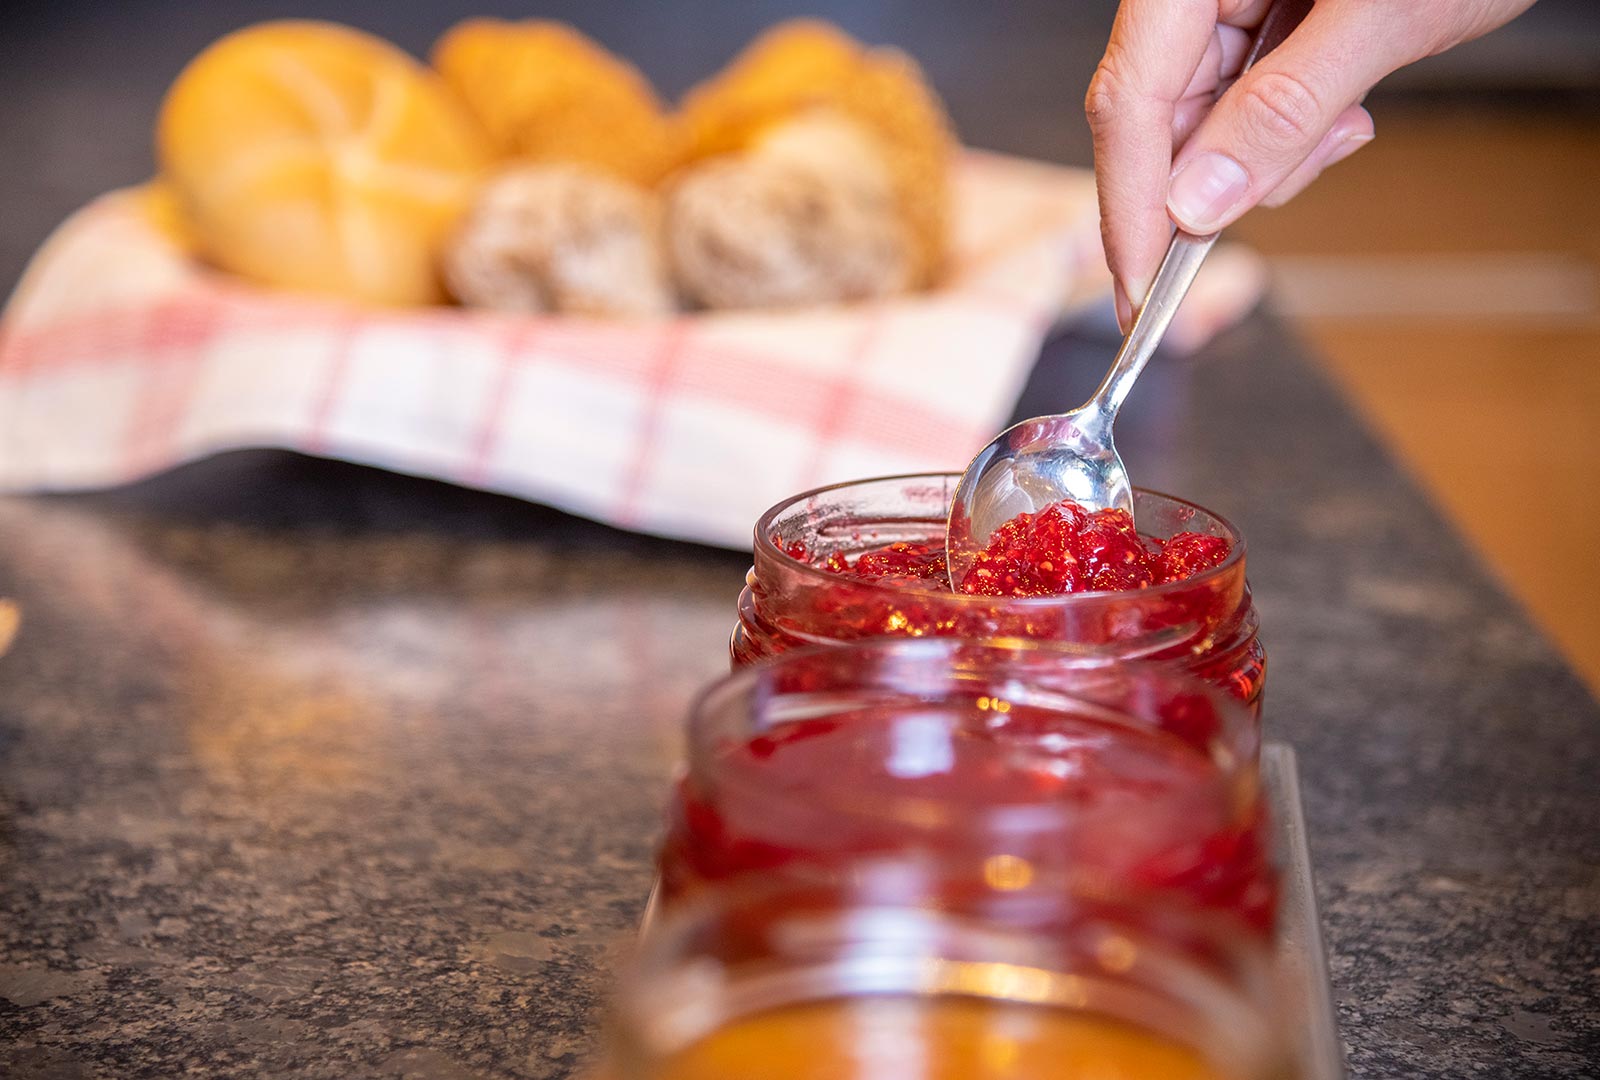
pixel 1164 146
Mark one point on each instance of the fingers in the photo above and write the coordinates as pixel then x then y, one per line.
pixel 1280 124
pixel 1350 132
pixel 1224 54
pixel 1278 115
pixel 1155 51
pixel 1186 117
pixel 1208 72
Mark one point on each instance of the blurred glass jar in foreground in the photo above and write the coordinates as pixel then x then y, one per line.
pixel 1205 624
pixel 883 978
pixel 1002 762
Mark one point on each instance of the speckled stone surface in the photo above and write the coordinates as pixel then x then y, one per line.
pixel 318 771
pixel 352 775
pixel 339 774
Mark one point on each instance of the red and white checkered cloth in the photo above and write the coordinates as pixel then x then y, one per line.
pixel 120 356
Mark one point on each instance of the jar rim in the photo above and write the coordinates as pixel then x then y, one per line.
pixel 764 546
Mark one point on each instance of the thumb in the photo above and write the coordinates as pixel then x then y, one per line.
pixel 1273 118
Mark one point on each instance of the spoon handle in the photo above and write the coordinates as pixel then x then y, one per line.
pixel 1172 282
pixel 1186 252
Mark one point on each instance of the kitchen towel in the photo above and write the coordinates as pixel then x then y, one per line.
pixel 121 355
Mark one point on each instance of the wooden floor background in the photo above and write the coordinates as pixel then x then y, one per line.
pixel 1448 273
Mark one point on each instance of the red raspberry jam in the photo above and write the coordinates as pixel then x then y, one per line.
pixel 1061 549
pixel 865 560
pixel 823 760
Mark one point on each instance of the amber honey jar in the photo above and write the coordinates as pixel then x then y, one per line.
pixel 879 978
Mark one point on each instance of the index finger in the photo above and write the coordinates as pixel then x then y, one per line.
pixel 1155 49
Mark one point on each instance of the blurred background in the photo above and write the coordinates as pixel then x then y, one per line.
pixel 1446 274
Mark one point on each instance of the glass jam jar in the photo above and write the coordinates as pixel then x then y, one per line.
pixel 1205 624
pixel 1005 763
pixel 861 982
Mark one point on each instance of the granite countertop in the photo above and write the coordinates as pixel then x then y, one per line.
pixel 316 770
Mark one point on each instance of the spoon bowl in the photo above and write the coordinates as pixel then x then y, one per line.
pixel 1041 461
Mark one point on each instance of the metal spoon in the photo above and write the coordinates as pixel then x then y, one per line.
pixel 1042 461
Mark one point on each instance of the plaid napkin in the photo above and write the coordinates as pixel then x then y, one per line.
pixel 121 356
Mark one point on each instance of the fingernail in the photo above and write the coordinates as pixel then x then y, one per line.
pixel 1124 307
pixel 1349 145
pixel 1204 190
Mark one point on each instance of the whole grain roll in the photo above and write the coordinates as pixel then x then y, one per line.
pixel 802 65
pixel 561 238
pixel 806 216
